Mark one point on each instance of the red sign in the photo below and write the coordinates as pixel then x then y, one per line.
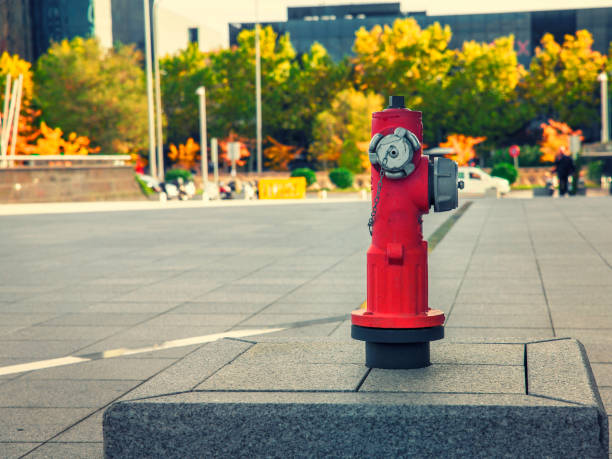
pixel 514 151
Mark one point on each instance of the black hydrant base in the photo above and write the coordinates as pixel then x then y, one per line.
pixel 397 356
pixel 390 348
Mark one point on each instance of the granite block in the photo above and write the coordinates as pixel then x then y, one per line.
pixel 287 397
pixel 448 378
pixel 294 425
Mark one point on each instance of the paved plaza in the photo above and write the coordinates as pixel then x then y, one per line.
pixel 83 284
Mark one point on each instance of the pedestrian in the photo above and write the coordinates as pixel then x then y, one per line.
pixel 564 167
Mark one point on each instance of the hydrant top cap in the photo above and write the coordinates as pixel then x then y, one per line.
pixel 396 102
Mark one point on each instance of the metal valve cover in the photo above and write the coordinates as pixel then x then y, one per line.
pixel 394 152
pixel 445 193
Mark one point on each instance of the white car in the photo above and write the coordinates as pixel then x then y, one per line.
pixel 478 182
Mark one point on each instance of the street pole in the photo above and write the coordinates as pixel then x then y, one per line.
pixel 214 156
pixel 201 92
pixel 147 19
pixel 158 102
pixel 258 86
pixel 605 134
pixel 16 118
pixel 5 112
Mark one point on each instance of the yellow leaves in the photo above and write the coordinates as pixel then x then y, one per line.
pixel 51 142
pixel 185 155
pixel 346 122
pixel 243 150
pixel 554 136
pixel 279 155
pixel 13 65
pixel 463 147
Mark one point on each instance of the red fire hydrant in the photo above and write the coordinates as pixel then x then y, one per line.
pixel 398 324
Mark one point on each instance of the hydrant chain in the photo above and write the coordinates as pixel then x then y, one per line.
pixel 377 198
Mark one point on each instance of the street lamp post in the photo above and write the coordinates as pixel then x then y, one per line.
pixel 158 102
pixel 603 79
pixel 147 19
pixel 258 86
pixel 201 92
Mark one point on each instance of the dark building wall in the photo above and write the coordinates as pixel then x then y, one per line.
pixel 337 33
pixel 128 22
pixel 16 28
pixel 56 20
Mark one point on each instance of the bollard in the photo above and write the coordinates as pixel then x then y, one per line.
pixel 397 323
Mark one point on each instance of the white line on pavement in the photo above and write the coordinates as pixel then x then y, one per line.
pixel 50 363
pixel 118 206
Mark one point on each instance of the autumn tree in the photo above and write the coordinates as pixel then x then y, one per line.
pixel 554 136
pixel 15 66
pixel 185 155
pixel 404 59
pixel 342 133
pixel 100 94
pixel 562 80
pixel 463 147
pixel 278 156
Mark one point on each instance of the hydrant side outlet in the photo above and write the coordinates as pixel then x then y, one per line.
pixel 398 324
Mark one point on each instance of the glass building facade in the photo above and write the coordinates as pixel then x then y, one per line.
pixel 335 26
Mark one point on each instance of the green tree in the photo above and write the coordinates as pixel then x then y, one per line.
pixel 562 80
pixel 407 60
pixel 181 75
pixel 342 133
pixel 481 96
pixel 100 94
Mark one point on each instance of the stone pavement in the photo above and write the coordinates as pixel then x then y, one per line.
pixel 75 284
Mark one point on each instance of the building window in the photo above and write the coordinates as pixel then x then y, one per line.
pixel 193 35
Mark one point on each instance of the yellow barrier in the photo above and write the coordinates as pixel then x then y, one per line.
pixel 291 188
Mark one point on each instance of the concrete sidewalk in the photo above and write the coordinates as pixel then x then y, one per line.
pixel 82 284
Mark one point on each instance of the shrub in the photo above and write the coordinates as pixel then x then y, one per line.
pixel 529 157
pixel 504 170
pixel 305 172
pixel 173 174
pixel 341 177
pixel 595 170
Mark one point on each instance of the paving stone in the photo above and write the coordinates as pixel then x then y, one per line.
pixel 448 378
pixel 499 297
pixel 40 350
pixel 606 397
pixel 556 369
pixel 581 318
pixel 160 333
pixel 449 352
pixel 213 307
pixel 15 450
pixel 94 318
pixel 61 393
pixel 133 307
pixel 462 319
pixel 190 371
pixel 36 424
pixel 72 450
pixel 88 430
pixel 491 332
pixel 111 368
pixel 603 373
pixel 44 333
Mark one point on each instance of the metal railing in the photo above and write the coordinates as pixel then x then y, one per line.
pixel 63 160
